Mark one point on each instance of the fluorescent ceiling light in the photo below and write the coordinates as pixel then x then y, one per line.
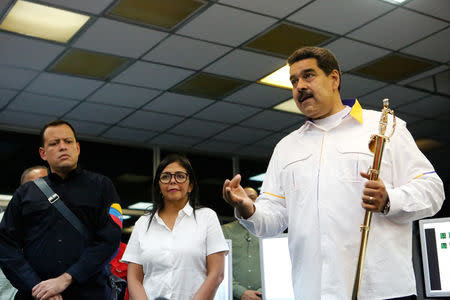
pixel 126 217
pixel 5 197
pixel 259 177
pixel 43 21
pixel 289 106
pixel 141 205
pixel 395 1
pixel 279 78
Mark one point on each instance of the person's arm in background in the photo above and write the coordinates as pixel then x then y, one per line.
pixel 215 264
pixel 135 278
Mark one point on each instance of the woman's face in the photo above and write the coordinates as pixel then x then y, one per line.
pixel 173 190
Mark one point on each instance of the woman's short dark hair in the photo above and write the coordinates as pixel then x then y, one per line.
pixel 158 202
pixel 326 60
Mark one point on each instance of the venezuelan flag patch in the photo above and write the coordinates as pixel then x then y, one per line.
pixel 115 211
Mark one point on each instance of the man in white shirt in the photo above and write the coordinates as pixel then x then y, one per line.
pixel 316 184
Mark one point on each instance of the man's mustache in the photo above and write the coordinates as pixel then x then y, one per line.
pixel 305 94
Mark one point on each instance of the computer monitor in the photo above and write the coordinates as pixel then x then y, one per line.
pixel 276 268
pixel 225 289
pixel 435 244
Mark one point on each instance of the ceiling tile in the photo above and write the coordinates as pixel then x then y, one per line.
pixel 354 86
pixel 242 135
pixel 430 107
pixel 321 14
pixel 422 75
pixel 15 51
pixel 217 146
pixel 435 47
pixel 162 13
pixel 226 112
pixel 178 104
pixel 122 95
pixel 98 113
pixel 41 104
pixel 252 66
pixel 442 82
pixel 14 78
pixel 424 83
pixel 197 128
pixel 215 25
pixel 3 4
pixel 394 67
pixel 284 39
pixel 437 8
pixel 88 64
pixel 23 119
pixel 268 7
pixel 174 140
pixel 260 95
pixel 119 38
pixel 63 86
pixel 128 134
pixel 87 128
pixel 429 129
pixel 393 30
pixel 271 140
pixel 409 119
pixel 152 75
pixel 255 151
pixel 6 96
pixel 397 96
pixel 351 54
pixel 186 52
pixel 272 120
pixel 150 121
pixel 95 7
pixel 208 85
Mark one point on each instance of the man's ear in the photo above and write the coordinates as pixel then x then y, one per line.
pixel 78 148
pixel 42 153
pixel 336 79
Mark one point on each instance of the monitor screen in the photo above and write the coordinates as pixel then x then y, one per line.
pixel 276 268
pixel 435 244
pixel 225 289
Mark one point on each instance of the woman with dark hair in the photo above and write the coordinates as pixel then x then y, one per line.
pixel 177 251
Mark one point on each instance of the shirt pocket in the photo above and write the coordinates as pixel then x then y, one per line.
pixel 351 159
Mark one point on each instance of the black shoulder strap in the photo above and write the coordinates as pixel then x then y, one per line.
pixel 54 199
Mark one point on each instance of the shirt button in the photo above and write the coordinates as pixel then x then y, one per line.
pixel 249 270
pixel 249 256
pixel 59 241
pixel 249 286
pixel 59 261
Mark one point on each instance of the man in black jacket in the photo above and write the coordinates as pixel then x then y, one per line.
pixel 41 253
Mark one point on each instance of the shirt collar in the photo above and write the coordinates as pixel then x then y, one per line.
pixel 187 209
pixel 71 174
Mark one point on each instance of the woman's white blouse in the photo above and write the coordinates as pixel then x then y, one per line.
pixel 174 262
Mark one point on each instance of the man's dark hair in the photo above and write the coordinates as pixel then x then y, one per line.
pixel 25 173
pixel 158 202
pixel 53 124
pixel 326 60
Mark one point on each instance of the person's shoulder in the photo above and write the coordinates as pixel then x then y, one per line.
pixel 372 117
pixel 230 225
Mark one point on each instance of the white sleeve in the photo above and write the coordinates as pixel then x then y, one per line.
pixel 270 217
pixel 133 251
pixel 417 190
pixel 215 241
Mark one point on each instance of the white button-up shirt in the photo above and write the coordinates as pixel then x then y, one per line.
pixel 313 186
pixel 174 262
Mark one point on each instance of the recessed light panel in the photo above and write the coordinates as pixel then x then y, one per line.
pixel 284 39
pixel 279 78
pixel 289 106
pixel 208 85
pixel 394 67
pixel 43 21
pixel 161 13
pixel 86 63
